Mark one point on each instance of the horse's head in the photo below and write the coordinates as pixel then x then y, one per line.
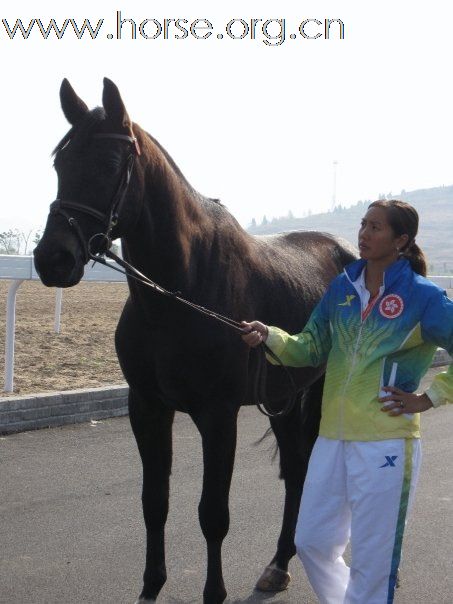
pixel 94 163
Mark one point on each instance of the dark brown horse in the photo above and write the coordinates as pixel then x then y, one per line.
pixel 173 358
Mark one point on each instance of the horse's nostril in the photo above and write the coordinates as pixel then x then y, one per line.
pixel 61 260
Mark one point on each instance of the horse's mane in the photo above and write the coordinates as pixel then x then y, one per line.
pixel 176 168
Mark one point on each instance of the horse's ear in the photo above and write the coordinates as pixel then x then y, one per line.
pixel 113 104
pixel 73 106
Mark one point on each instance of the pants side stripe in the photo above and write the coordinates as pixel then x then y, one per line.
pixel 396 555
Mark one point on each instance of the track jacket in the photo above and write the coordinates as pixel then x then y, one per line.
pixel 390 340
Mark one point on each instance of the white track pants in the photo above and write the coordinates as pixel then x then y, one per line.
pixel 357 491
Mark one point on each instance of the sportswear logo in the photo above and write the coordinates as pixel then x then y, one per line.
pixel 390 461
pixel 391 306
pixel 348 301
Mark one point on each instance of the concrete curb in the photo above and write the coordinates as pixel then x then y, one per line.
pixel 30 412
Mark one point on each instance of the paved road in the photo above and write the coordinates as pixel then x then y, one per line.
pixel 71 528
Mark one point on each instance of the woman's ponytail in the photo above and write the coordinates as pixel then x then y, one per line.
pixel 416 258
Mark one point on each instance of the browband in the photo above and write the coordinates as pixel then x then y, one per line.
pixel 124 137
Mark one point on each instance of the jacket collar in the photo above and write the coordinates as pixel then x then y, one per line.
pixel 393 273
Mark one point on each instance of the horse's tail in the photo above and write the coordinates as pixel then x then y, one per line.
pixel 300 427
pixel 311 411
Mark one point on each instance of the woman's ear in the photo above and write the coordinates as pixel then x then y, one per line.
pixel 401 242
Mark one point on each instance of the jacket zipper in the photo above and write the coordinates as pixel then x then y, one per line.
pixel 348 379
pixel 354 355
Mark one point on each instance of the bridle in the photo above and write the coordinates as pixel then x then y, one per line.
pixel 110 218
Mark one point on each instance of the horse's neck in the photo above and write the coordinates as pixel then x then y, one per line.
pixel 171 223
pixel 183 241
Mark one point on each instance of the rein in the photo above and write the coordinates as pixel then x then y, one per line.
pixel 110 220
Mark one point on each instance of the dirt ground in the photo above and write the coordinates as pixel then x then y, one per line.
pixel 82 355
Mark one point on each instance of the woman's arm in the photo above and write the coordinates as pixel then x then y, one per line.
pixel 437 327
pixel 308 348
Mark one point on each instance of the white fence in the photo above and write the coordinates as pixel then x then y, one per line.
pixel 18 269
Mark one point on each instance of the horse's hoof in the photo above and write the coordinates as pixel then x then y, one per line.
pixel 273 579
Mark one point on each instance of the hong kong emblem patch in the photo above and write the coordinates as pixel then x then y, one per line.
pixel 391 306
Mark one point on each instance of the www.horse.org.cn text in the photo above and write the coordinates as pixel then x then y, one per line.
pixel 271 32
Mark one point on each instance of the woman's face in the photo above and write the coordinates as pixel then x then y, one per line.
pixel 377 240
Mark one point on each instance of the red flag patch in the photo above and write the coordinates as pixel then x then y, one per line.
pixel 391 306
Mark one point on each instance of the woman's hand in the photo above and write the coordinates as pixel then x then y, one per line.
pixel 254 333
pixel 398 402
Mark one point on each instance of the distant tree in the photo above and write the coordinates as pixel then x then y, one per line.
pixel 290 215
pixel 37 238
pixel 10 242
pixel 25 237
pixel 18 242
pixel 264 221
pixel 253 224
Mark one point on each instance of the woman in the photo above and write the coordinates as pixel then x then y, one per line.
pixel 377 327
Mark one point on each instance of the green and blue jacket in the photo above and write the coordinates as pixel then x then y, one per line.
pixel 368 344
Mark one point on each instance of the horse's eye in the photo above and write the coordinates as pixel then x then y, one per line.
pixel 109 166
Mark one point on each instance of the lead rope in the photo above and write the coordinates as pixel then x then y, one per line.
pixel 261 370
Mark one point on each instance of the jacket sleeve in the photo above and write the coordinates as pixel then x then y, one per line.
pixel 311 347
pixel 437 327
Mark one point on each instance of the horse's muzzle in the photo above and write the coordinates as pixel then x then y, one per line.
pixel 57 268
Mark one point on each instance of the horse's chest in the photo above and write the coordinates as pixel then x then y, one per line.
pixel 181 363
pixel 182 374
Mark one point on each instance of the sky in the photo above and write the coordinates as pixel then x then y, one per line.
pixel 257 125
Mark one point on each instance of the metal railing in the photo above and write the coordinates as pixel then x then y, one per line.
pixel 18 269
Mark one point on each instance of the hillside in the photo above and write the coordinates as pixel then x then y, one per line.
pixel 435 207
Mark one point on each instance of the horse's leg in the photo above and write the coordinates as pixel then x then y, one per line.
pixel 152 427
pixel 295 435
pixel 218 429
